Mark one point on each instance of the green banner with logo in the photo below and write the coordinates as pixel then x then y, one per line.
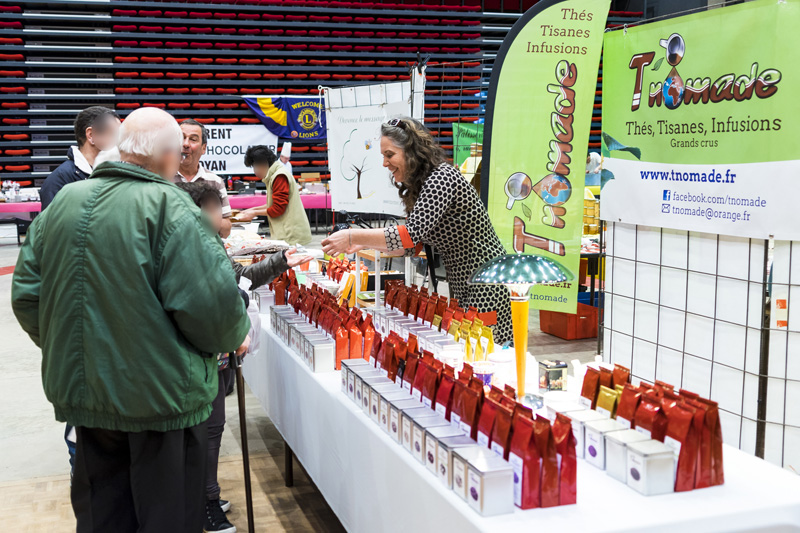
pixel 700 122
pixel 537 133
pixel 464 137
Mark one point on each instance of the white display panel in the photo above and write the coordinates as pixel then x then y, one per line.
pixel 686 308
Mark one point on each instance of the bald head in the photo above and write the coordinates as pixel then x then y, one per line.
pixel 151 138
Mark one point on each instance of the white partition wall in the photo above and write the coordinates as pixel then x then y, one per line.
pixel 688 308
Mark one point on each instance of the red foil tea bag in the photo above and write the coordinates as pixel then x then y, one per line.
pixel 495 393
pixel 430 312
pixel 413 303
pixel 591 384
pixel 628 402
pixel 470 412
pixel 466 372
pixel 410 371
pixel 650 419
pixel 444 394
pixel 458 314
pixel 568 462
pixel 546 445
pixel 510 391
pixel 446 320
pixel 458 403
pixel 279 287
pixel 471 313
pixel 520 411
pixel 508 402
pixel 431 384
pixel 606 377
pixel 342 339
pixel 683 439
pixel 375 350
pixel 401 301
pixel 356 342
pixel 387 359
pixel 398 361
pixel 369 338
pixel 664 386
pixel 486 422
pixel 391 293
pixel 422 308
pixel 525 460
pixel 419 378
pixel 714 430
pixel 441 306
pixel 620 376
pixel 501 433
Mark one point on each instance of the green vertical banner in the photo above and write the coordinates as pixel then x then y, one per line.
pixel 700 122
pixel 464 136
pixel 537 133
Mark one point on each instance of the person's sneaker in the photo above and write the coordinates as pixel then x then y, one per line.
pixel 225 504
pixel 216 521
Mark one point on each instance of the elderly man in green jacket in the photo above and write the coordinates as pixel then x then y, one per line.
pixel 130 295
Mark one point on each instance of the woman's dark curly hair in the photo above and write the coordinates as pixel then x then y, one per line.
pixel 422 155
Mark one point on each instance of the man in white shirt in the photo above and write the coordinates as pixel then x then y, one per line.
pixel 286 155
pixel 195 139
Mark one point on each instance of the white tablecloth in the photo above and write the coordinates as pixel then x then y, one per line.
pixel 374 485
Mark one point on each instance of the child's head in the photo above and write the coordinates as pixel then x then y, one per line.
pixel 207 198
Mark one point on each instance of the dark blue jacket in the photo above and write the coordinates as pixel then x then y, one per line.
pixel 66 173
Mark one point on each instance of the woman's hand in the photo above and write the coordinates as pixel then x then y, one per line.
pixel 245 216
pixel 338 243
pixel 294 260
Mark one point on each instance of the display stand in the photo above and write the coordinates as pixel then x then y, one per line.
pixel 373 484
pixel 377 259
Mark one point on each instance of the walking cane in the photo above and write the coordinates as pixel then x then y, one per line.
pixel 237 364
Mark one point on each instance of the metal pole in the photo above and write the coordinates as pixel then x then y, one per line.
pixel 600 289
pixel 763 367
pixel 237 363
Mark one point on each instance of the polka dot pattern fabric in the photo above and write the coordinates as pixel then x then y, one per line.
pixel 449 216
pixel 393 240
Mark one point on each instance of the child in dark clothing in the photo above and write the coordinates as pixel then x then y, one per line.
pixel 207 198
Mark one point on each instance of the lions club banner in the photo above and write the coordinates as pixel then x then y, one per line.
pixel 537 134
pixel 290 117
pixel 701 122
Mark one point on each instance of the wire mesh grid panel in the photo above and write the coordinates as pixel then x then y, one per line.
pixel 687 308
pixel 782 433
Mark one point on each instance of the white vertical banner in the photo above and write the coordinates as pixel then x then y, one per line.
pixel 228 144
pixel 354 115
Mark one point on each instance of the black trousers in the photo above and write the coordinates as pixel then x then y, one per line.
pixel 216 425
pixel 140 482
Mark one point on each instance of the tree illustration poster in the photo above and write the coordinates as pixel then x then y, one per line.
pixel 359 182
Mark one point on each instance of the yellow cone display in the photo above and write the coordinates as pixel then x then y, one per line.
pixel 519 319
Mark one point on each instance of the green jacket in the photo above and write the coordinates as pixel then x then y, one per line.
pixel 128 293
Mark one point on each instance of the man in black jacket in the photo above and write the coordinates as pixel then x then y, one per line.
pixel 96 130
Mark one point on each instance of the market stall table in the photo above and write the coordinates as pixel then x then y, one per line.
pixel 374 484
pixel 310 201
pixel 18 208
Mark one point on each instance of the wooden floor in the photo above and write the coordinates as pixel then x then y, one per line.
pixel 42 505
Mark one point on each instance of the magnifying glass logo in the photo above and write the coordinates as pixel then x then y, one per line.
pixel 518 187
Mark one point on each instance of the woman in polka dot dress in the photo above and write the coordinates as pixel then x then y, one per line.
pixel 444 211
